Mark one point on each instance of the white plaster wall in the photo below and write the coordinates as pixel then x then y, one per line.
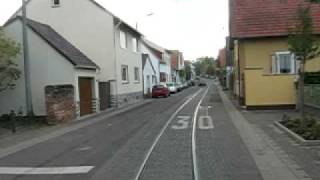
pixel 131 59
pixel 47 67
pixel 148 71
pixel 154 60
pixel 85 25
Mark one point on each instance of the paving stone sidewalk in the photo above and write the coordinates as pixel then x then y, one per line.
pixel 303 160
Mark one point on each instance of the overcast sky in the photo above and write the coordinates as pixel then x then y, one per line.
pixel 195 27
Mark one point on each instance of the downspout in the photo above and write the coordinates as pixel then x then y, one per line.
pixel 239 73
pixel 116 27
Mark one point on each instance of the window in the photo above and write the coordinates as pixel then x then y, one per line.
pixel 123 40
pixel 283 63
pixel 124 74
pixel 134 45
pixel 136 74
pixel 55 3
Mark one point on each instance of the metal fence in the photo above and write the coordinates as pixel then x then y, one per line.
pixel 312 95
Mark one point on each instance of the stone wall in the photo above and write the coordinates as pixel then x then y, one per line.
pixel 127 99
pixel 60 103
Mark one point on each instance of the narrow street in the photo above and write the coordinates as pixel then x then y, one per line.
pixel 151 142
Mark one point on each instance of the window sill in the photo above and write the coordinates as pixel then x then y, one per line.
pixel 55 6
pixel 137 82
pixel 281 74
pixel 125 82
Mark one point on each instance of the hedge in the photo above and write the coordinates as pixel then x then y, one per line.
pixel 312 77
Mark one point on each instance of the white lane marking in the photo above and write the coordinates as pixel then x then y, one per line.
pixel 160 134
pixel 84 149
pixel 194 149
pixel 182 123
pixel 45 171
pixel 205 123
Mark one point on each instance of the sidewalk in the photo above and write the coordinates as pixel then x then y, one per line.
pixel 303 162
pixel 11 143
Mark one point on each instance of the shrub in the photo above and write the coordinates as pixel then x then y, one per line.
pixel 309 128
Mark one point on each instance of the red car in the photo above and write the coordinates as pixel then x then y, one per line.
pixel 160 91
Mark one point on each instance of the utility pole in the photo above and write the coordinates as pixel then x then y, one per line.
pixel 29 105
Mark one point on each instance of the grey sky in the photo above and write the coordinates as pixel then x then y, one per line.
pixel 196 27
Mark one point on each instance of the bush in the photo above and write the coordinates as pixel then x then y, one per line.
pixel 312 78
pixel 309 128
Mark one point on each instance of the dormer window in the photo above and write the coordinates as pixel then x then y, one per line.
pixel 56 3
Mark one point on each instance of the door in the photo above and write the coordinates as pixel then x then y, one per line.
pixel 85 92
pixel 104 92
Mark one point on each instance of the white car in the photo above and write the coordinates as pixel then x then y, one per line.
pixel 172 87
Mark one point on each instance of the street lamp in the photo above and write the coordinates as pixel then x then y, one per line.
pixel 147 15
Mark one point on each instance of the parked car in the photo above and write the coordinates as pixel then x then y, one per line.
pixel 179 87
pixel 202 84
pixel 172 87
pixel 160 91
pixel 191 83
pixel 185 85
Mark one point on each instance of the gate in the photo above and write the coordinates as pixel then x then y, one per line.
pixel 104 92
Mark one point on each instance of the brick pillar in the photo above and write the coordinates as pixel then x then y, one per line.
pixel 60 103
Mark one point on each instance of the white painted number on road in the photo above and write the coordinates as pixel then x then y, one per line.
pixel 205 123
pixel 182 123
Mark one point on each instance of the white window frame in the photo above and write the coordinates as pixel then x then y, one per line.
pixel 125 67
pixel 275 64
pixel 123 40
pixel 136 72
pixel 53 4
pixel 134 44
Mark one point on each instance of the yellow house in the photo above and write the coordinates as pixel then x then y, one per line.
pixel 264 70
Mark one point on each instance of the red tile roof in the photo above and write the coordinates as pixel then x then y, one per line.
pixel 267 18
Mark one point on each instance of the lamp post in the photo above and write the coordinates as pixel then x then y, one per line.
pixel 29 106
pixel 147 15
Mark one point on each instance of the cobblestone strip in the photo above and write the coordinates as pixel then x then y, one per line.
pixel 270 165
pixel 282 155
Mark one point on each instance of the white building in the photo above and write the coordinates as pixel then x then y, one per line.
pixel 105 39
pixel 150 75
pixel 54 61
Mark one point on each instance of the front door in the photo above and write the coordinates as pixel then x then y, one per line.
pixel 85 92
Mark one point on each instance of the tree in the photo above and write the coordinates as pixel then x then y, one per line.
pixel 9 71
pixel 303 43
pixel 188 71
pixel 203 64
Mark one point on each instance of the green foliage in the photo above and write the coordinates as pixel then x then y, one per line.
pixel 9 71
pixel 312 78
pixel 302 41
pixel 205 66
pixel 182 74
pixel 188 72
pixel 309 128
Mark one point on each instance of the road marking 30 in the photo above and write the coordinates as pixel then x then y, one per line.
pixel 205 123
pixel 155 142
pixel 45 170
pixel 182 123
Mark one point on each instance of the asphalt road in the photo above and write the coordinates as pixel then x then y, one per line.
pixel 149 143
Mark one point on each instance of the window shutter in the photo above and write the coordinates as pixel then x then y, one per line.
pixel 274 65
pixel 293 64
